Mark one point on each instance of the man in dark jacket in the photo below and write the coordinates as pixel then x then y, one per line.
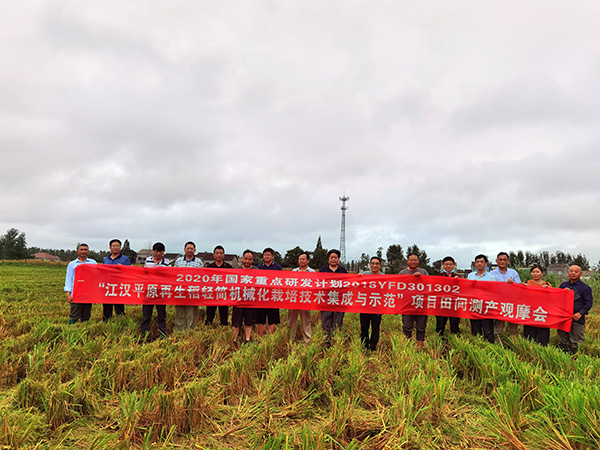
pixel 569 342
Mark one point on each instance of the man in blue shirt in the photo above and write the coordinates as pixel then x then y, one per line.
pixel 482 325
pixel 582 303
pixel 115 257
pixel 78 311
pixel 510 276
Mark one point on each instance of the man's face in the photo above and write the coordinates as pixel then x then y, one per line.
pixel 158 254
pixel 449 266
pixel 83 251
pixel 247 260
pixel 302 261
pixel 268 258
pixel 480 264
pixel 189 251
pixel 115 249
pixel 413 262
pixel 334 260
pixel 574 273
pixel 219 256
pixel 375 266
pixel 502 261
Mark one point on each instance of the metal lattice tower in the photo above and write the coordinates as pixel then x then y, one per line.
pixel 343 199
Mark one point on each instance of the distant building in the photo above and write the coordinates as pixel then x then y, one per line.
pixel 559 270
pixel 43 256
pixel 144 253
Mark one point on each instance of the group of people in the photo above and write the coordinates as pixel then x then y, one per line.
pixel 266 319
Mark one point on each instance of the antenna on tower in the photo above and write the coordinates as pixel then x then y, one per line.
pixel 343 199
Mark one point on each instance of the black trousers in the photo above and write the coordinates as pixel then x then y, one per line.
pixel 211 312
pixel 440 324
pixel 539 335
pixel 80 311
pixel 161 312
pixel 107 311
pixel 485 327
pixel 367 321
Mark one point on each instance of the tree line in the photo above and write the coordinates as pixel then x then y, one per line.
pixel 13 245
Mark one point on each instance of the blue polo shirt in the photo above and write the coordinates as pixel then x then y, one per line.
pixel 510 274
pixel 121 259
pixel 273 266
pixel 485 277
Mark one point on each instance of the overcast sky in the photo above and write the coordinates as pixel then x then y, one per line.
pixel 462 126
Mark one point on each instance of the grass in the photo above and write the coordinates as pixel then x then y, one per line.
pixel 93 386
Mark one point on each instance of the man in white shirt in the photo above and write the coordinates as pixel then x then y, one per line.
pixel 504 273
pixel 186 316
pixel 303 259
pixel 78 311
pixel 485 326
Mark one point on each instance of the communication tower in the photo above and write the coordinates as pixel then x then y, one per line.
pixel 343 199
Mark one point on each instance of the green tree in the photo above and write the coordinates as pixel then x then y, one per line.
pixel 364 262
pixel 437 265
pixel 319 256
pixel 581 261
pixel 13 245
pixel 127 251
pixel 291 257
pixel 395 256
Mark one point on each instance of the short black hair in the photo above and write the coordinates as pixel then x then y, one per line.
pixel 270 250
pixel 188 243
pixel 304 253
pixel 537 266
pixel 503 254
pixel 248 251
pixel 412 254
pixel 333 250
pixel 219 247
pixel 375 257
pixel 159 247
pixel 112 241
pixel 448 258
pixel 480 256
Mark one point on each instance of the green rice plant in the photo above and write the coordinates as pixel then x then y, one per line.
pixel 572 410
pixel 199 404
pixel 31 393
pixel 66 402
pixel 309 440
pixel 506 420
pixel 21 429
pixel 353 372
pixel 133 406
pixel 340 423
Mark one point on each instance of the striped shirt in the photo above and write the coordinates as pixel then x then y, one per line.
pixel 150 262
pixel 194 262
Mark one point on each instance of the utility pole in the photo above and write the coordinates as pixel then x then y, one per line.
pixel 343 199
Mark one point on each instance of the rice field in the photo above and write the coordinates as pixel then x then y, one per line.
pixel 93 385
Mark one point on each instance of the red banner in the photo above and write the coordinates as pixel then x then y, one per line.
pixel 375 294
